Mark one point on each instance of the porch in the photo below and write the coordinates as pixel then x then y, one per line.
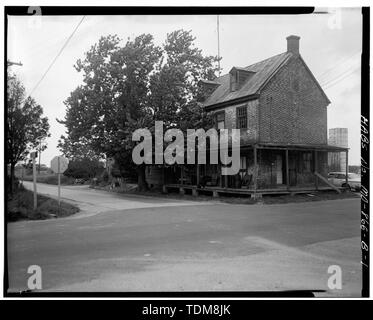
pixel 217 191
pixel 264 169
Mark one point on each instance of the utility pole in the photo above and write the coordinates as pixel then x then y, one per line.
pixel 39 158
pixel 39 155
pixel 33 156
pixel 59 183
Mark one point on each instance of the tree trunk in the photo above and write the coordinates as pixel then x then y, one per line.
pixel 141 181
pixel 11 178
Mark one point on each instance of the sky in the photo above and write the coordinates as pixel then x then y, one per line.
pixel 330 44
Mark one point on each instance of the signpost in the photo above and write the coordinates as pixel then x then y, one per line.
pixel 59 165
pixel 34 155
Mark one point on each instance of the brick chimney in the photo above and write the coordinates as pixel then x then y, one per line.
pixel 293 44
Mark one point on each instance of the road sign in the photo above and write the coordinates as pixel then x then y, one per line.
pixel 59 164
pixel 34 154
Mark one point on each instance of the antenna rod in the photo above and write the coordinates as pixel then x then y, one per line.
pixel 217 21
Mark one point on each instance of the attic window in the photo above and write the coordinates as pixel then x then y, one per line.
pixel 207 87
pixel 238 77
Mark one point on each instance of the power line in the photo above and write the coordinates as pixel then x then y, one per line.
pixel 218 27
pixel 352 68
pixel 342 78
pixel 340 73
pixel 326 73
pixel 58 54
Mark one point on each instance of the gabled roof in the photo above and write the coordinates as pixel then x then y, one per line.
pixel 209 82
pixel 263 72
pixel 240 69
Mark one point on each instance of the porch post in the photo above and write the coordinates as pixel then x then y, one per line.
pixel 287 169
pixel 220 177
pixel 316 170
pixel 226 177
pixel 182 175
pixel 163 175
pixel 197 174
pixel 164 189
pixel 182 191
pixel 255 168
pixel 346 166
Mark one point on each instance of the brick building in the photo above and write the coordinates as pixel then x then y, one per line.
pixel 281 111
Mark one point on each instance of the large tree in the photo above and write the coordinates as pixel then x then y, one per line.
pixel 129 87
pixel 84 168
pixel 25 125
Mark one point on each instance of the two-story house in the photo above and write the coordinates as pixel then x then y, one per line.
pixel 281 111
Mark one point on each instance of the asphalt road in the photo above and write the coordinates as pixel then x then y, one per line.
pixel 122 243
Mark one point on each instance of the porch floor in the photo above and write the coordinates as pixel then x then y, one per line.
pixel 259 192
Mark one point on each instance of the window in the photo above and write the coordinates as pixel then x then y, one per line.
pixel 242 117
pixel 220 120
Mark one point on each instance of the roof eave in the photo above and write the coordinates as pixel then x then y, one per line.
pixel 231 102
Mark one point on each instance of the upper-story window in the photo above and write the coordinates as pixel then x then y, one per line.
pixel 241 117
pixel 220 120
pixel 238 77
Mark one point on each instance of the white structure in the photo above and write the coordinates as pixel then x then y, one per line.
pixel 338 137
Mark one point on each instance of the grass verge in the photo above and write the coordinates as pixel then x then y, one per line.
pixel 50 179
pixel 20 207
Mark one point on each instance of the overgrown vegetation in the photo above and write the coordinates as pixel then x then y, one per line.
pixel 25 128
pixel 20 206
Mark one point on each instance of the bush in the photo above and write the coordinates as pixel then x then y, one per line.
pixel 102 180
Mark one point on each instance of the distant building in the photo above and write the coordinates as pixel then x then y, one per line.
pixel 338 137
